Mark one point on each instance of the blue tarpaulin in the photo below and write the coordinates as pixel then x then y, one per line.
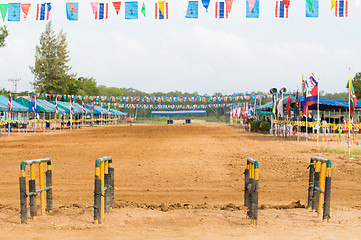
pixel 16 107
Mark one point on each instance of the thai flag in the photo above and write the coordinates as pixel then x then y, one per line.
pixel 83 107
pixel 341 8
pixel 161 10
pixel 100 10
pixel 92 107
pixel 220 9
pixel 71 107
pixel 43 11
pixel 36 115
pixel 282 8
pixel 10 103
pixel 56 106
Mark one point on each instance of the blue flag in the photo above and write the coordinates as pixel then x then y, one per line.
pixel 192 10
pixel 131 10
pixel 72 11
pixel 254 12
pixel 205 4
pixel 312 8
pixel 14 12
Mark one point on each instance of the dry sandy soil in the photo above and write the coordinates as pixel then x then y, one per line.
pixel 177 182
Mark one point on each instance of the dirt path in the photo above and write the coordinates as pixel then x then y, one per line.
pixel 177 182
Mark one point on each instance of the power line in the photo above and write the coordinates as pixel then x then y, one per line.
pixel 15 83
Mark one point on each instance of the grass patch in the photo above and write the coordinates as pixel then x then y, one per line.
pixel 355 152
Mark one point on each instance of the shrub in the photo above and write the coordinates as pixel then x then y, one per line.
pixel 255 125
pixel 265 126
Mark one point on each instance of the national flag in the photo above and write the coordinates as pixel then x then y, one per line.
pixel 297 110
pixel 72 11
pixel 288 106
pixel 71 107
pixel 25 9
pixel 143 9
pixel 117 7
pixel 205 4
pixel 161 10
pixel 252 9
pixel 280 107
pixel 131 10
pixel 4 10
pixel 14 11
pixel 100 10
pixel 92 107
pixel 282 8
pixel 353 99
pixel 311 92
pixel 312 8
pixel 43 11
pixel 274 109
pixel 83 107
pixel 56 106
pixel 341 8
pixel 10 103
pixel 192 9
pixel 34 109
pixel 220 9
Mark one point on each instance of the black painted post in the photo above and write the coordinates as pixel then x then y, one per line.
pixel 97 199
pixel 111 177
pixel 49 193
pixel 316 191
pixel 310 183
pixel 246 181
pixel 106 193
pixel 23 200
pixel 326 205
pixel 254 201
pixel 32 199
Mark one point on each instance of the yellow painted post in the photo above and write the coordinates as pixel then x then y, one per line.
pixel 32 177
pixel 102 190
pixel 97 175
pixel 322 188
pixel 49 169
pixel 255 169
pixel 42 193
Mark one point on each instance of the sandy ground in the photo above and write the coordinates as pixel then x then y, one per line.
pixel 178 182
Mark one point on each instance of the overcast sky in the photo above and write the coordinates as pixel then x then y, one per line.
pixel 205 55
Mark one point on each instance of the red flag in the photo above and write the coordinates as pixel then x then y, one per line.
pixel 288 106
pixel 116 6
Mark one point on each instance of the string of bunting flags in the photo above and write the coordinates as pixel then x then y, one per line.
pixel 134 9
pixel 158 99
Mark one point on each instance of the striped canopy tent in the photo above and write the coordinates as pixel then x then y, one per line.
pixel 95 111
pixel 16 107
pixel 81 108
pixel 66 107
pixel 50 105
pixel 41 106
pixel 4 108
pixel 117 112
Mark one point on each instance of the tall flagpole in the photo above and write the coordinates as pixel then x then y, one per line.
pixel 318 110
pixel 349 112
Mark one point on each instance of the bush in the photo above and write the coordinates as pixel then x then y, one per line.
pixel 265 126
pixel 255 125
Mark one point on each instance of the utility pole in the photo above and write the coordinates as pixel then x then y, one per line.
pixel 15 83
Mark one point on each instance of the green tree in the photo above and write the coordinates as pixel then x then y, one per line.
pixel 50 69
pixel 3 34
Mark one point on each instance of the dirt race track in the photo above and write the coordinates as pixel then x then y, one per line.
pixel 177 182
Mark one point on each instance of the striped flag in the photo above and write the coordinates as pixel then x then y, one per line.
pixel 71 107
pixel 56 106
pixel 83 107
pixel 353 99
pixel 161 10
pixel 10 103
pixel 36 115
pixel 220 9
pixel 341 8
pixel 43 11
pixel 92 107
pixel 100 10
pixel 282 8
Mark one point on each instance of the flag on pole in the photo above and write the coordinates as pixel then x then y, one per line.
pixel 297 110
pixel 83 107
pixel 10 103
pixel 311 92
pixel 56 106
pixel 280 107
pixel 353 99
pixel 288 106
pixel 34 109
pixel 71 107
pixel 282 8
pixel 274 109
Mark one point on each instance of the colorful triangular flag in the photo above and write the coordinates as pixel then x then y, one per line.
pixel 252 9
pixel 143 9
pixel 205 4
pixel 282 8
pixel 117 7
pixel 72 11
pixel 14 11
pixel 4 10
pixel 192 9
pixel 220 9
pixel 161 10
pixel 312 8
pixel 25 9
pixel 131 10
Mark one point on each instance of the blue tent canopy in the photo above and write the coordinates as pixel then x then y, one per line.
pixel 16 107
pixel 41 105
pixel 168 113
pixel 66 106
pixel 119 113
pixel 49 105
pixel 4 108
pixel 95 111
